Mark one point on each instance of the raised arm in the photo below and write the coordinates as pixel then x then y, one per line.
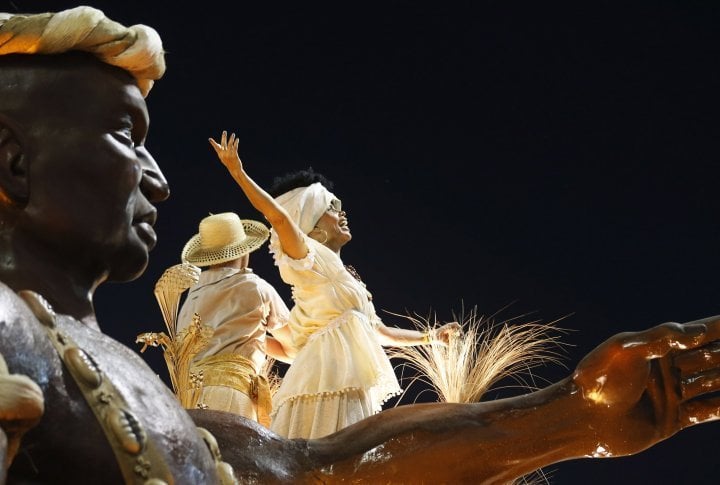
pixel 288 232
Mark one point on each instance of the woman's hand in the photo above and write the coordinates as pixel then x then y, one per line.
pixel 444 333
pixel 227 152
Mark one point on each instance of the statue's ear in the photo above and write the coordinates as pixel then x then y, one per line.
pixel 13 163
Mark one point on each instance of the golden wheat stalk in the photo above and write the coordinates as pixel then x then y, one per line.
pixel 179 349
pixel 168 289
pixel 482 355
pixel 187 345
pixel 179 354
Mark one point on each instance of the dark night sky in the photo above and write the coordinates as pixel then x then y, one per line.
pixel 560 159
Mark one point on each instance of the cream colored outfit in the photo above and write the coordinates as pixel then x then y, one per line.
pixel 341 373
pixel 241 307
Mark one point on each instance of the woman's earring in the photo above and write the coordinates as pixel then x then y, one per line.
pixel 324 232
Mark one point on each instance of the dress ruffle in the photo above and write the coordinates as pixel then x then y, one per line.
pixel 281 258
pixel 330 413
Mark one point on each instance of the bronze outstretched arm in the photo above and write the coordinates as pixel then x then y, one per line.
pixel 631 392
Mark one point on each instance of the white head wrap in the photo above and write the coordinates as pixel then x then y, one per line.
pixel 307 204
pixel 137 49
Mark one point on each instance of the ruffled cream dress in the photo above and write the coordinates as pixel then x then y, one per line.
pixel 341 373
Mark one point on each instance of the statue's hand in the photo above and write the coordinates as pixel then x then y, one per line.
pixel 21 407
pixel 643 387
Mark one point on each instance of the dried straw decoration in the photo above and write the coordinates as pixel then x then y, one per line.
pixel 483 354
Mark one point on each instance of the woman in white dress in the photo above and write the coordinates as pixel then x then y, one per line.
pixel 341 373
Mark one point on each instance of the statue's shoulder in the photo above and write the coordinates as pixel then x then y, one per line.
pixel 22 335
pixel 14 311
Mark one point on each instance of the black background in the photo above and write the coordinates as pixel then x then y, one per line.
pixel 529 158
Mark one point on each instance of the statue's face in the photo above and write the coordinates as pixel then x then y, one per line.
pixel 91 180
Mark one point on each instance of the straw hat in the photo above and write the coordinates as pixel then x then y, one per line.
pixel 223 237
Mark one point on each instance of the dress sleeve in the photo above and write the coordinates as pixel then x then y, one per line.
pixel 282 259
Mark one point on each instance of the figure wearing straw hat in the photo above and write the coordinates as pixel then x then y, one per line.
pixel 241 308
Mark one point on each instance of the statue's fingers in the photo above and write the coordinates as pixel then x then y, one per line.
pixel 713 328
pixel 700 383
pixel 699 411
pixel 21 399
pixel 659 340
pixel 712 325
pixel 693 361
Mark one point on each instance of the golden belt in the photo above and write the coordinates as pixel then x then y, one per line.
pixel 238 372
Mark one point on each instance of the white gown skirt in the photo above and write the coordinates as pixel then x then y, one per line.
pixel 339 377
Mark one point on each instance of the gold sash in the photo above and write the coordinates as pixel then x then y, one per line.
pixel 238 372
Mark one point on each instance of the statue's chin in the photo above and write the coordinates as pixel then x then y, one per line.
pixel 129 268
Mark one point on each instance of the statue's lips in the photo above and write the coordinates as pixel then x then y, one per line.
pixel 146 233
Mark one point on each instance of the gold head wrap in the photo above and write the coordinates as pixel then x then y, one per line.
pixel 137 49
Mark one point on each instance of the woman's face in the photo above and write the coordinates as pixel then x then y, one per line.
pixel 334 223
